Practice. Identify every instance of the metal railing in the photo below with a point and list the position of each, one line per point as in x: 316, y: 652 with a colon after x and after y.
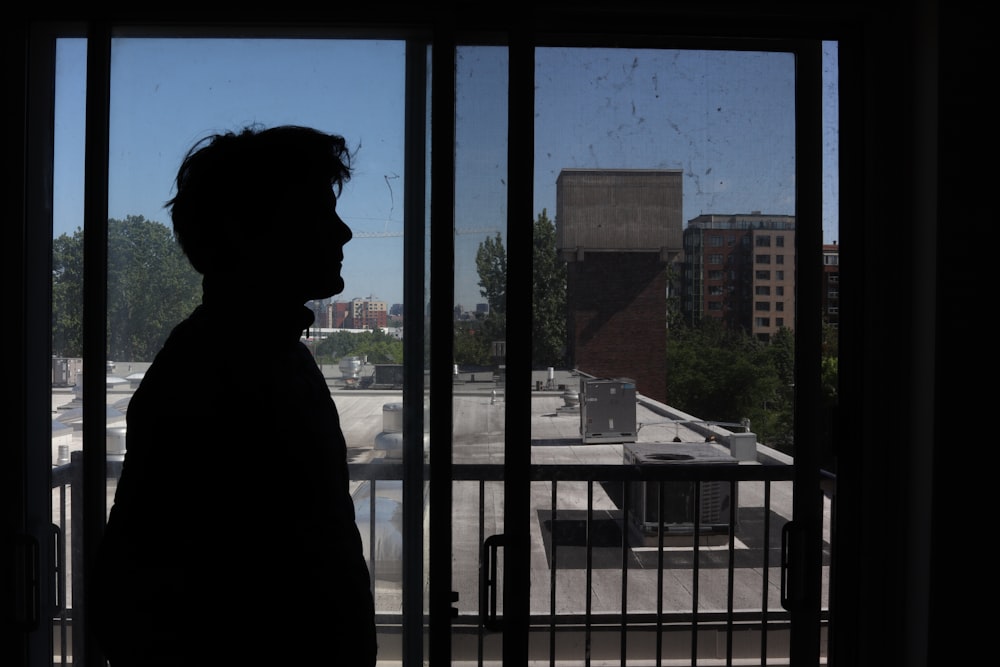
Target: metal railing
x: 610, y: 574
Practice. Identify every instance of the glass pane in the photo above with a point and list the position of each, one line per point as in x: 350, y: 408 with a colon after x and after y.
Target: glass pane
x: 664, y: 315
x: 480, y: 329
x: 166, y: 95
x: 67, y: 321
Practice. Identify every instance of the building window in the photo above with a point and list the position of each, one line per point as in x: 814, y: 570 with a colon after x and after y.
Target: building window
x: 716, y: 274
x: 779, y: 306
x: 762, y: 241
x: 779, y: 259
x: 762, y: 259
x: 715, y: 241
x: 760, y: 322
x: 762, y: 274
x: 779, y: 290
x: 779, y: 275
x: 762, y: 306
x: 779, y: 241
x: 715, y: 259
x: 762, y: 290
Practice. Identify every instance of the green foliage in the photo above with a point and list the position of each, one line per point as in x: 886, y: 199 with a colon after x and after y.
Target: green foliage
x: 548, y: 322
x: 67, y: 295
x: 151, y: 287
x: 378, y: 346
x: 724, y: 375
x: 491, y: 265
x: 474, y: 339
x: 472, y: 346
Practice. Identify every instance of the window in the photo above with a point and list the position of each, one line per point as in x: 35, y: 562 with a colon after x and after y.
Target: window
x: 762, y: 259
x: 779, y: 259
x: 564, y: 87
x: 779, y: 275
x: 762, y: 290
x: 779, y: 241
x: 762, y: 305
x: 762, y: 241
x: 779, y: 290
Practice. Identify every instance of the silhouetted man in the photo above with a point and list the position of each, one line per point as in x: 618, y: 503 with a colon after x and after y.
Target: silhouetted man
x: 232, y: 537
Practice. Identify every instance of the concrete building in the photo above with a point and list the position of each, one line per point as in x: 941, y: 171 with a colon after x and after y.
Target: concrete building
x: 618, y: 230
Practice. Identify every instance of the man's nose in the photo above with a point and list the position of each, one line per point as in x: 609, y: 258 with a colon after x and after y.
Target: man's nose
x: 343, y: 231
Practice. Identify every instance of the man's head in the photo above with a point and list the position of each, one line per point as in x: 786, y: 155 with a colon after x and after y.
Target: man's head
x: 259, y: 207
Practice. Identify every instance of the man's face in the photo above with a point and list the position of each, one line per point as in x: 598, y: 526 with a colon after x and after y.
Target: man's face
x: 308, y: 250
x: 323, y: 246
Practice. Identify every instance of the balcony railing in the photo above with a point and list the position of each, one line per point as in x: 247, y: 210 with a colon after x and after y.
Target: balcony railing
x: 610, y: 580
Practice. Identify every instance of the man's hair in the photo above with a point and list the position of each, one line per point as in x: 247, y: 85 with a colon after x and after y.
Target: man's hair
x: 239, y: 183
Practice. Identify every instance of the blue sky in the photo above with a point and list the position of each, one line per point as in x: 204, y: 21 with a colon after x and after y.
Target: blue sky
x: 724, y: 118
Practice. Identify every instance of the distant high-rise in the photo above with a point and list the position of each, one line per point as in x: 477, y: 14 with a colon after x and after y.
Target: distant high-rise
x: 830, y: 299
x: 368, y: 313
x: 618, y: 230
x: 740, y: 268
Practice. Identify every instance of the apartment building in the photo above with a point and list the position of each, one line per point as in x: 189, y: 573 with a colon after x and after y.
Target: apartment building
x: 831, y: 284
x: 740, y: 268
x: 358, y: 313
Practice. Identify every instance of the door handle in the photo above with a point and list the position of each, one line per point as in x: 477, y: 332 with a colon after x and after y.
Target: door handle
x: 488, y: 590
x: 791, y: 566
x: 60, y: 583
x: 28, y: 583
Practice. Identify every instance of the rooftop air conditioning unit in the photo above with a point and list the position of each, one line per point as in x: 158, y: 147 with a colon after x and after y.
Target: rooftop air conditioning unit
x: 679, y: 497
x: 607, y: 410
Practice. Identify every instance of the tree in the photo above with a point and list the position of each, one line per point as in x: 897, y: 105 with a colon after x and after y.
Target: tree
x: 67, y: 295
x: 378, y: 346
x: 491, y: 265
x: 727, y: 375
x: 151, y: 287
x: 472, y: 348
x: 548, y: 287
